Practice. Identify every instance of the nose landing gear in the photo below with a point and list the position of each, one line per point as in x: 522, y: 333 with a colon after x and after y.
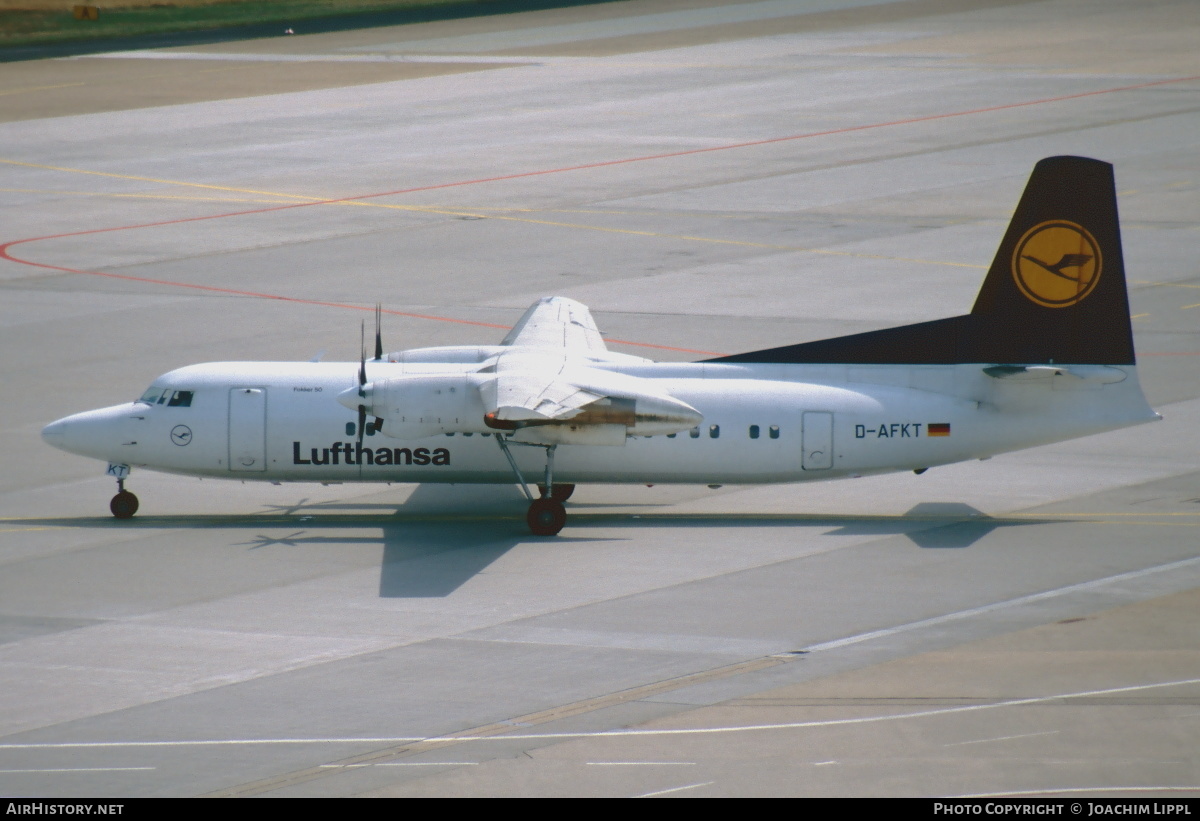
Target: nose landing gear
x: 124, y: 504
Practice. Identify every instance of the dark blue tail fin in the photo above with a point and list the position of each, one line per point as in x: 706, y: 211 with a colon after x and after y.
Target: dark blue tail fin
x: 1055, y: 292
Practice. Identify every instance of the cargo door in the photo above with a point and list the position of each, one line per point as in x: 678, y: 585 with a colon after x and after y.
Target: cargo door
x: 816, y: 440
x: 248, y: 429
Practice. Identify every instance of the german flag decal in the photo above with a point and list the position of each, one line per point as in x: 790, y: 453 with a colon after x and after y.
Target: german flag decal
x: 937, y: 429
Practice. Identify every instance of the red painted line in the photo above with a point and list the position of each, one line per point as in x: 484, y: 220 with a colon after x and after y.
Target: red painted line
x: 6, y: 254
x: 791, y: 137
x: 301, y: 301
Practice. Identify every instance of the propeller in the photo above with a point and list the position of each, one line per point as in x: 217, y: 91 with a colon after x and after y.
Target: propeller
x: 362, y: 382
x: 376, y: 425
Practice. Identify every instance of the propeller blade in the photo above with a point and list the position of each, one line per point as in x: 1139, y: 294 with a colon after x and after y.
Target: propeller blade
x: 378, y: 332
x: 362, y: 362
x: 362, y: 423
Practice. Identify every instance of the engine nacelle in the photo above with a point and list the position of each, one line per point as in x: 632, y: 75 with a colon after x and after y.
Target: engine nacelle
x: 413, y: 407
x: 447, y: 355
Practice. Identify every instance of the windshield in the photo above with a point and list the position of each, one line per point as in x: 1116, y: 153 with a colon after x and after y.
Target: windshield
x: 152, y: 395
x: 165, y: 396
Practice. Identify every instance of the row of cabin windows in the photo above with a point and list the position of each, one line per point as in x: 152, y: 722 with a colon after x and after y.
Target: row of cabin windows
x: 352, y: 429
x: 714, y: 432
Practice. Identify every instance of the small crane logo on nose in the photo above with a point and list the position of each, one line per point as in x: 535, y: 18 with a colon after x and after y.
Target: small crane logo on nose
x: 181, y: 435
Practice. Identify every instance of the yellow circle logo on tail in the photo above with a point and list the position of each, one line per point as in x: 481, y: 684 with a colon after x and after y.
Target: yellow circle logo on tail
x: 1057, y: 264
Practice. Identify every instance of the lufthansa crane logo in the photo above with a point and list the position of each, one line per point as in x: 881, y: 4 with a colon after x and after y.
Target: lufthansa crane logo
x: 181, y: 435
x: 1057, y: 264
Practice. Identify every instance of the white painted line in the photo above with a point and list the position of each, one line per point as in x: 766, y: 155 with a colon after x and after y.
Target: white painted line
x: 795, y: 725
x: 428, y: 764
x: 1000, y: 738
x: 987, y: 608
x: 641, y: 763
x: 400, y: 764
x: 674, y: 789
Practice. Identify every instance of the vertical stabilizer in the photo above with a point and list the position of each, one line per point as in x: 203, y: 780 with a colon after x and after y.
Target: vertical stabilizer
x: 1056, y: 289
x: 1055, y: 292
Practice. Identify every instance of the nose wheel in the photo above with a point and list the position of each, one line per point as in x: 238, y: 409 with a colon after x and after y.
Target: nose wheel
x: 124, y: 504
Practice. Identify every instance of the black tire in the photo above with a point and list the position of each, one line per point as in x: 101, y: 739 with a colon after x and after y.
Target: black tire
x: 546, y: 517
x: 123, y: 505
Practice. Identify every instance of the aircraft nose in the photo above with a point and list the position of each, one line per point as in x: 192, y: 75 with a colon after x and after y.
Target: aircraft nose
x: 106, y: 433
x: 55, y: 433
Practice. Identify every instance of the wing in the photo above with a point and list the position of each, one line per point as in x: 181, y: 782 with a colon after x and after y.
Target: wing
x: 534, y: 385
x: 547, y: 377
x: 557, y: 323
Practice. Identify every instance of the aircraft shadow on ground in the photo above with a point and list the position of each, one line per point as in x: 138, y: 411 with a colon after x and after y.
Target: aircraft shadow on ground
x: 434, y: 542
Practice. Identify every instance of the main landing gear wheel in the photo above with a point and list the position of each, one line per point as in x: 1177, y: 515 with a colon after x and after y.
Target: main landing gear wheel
x: 546, y: 517
x: 559, y: 493
x: 123, y: 505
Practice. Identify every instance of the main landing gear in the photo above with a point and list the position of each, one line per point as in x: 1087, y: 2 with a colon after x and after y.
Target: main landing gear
x: 124, y: 504
x: 546, y: 515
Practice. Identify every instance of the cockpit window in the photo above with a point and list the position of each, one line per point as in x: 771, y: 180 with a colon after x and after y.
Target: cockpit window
x: 170, y: 398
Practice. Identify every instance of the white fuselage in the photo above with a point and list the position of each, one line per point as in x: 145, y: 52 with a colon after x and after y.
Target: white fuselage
x: 281, y: 422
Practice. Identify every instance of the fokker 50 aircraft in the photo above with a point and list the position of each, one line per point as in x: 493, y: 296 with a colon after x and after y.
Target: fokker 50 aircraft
x: 1046, y: 354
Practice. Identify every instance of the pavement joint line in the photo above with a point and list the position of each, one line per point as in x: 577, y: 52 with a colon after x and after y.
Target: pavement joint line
x: 987, y: 608
x: 80, y: 770
x: 501, y: 729
x: 622, y: 733
x: 527, y: 174
x: 443, y: 211
x: 31, y: 89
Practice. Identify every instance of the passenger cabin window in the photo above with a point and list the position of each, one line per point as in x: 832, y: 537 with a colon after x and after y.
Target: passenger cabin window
x: 714, y: 431
x: 754, y: 431
x: 773, y: 431
x: 694, y: 432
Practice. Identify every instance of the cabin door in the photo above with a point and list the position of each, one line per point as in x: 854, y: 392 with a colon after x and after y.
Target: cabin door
x: 816, y: 435
x: 248, y: 429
